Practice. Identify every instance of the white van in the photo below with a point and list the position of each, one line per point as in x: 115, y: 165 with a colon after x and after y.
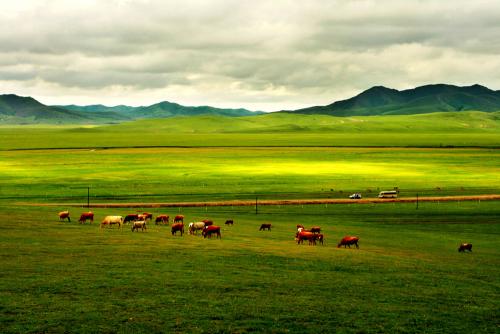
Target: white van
x: 388, y: 194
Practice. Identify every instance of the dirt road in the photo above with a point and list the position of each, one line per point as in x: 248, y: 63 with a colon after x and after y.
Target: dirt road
x: 277, y: 202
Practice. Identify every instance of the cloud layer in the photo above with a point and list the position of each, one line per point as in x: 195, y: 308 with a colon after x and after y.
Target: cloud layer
x: 265, y: 55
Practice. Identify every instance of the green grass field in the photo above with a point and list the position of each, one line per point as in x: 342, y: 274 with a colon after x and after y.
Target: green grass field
x: 195, y: 174
x: 461, y: 129
x: 406, y: 277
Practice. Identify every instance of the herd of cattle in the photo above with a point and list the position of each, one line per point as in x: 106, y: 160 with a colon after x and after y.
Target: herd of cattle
x: 207, y: 228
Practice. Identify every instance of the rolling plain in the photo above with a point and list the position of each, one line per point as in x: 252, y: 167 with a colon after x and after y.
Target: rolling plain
x: 406, y: 277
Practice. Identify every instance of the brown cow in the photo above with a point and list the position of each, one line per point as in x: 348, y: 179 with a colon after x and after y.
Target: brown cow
x: 315, y: 229
x: 309, y: 236
x: 319, y: 237
x: 131, y: 218
x: 464, y: 247
x: 229, y: 222
x: 265, y: 227
x: 86, y: 215
x: 179, y: 219
x: 209, y: 230
x: 208, y: 222
x: 178, y: 227
x: 163, y: 219
x: 64, y: 215
x: 147, y: 215
x: 348, y: 241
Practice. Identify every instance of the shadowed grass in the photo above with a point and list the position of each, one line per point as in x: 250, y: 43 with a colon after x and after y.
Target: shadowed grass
x: 406, y: 277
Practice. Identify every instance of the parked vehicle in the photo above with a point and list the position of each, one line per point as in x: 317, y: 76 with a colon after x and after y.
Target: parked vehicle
x: 355, y: 196
x: 388, y: 194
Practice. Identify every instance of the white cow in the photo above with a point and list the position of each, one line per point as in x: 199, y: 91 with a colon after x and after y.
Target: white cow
x: 139, y: 225
x: 112, y: 220
x: 194, y: 227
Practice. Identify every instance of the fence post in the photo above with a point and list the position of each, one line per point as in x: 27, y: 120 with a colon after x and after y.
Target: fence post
x: 256, y: 205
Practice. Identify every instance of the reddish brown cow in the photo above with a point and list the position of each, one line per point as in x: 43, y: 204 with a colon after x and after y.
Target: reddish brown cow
x: 64, y: 215
x: 265, y: 227
x: 464, y: 247
x: 163, y: 219
x: 178, y: 227
x: 229, y: 222
x: 309, y: 236
x: 348, y: 241
x: 315, y: 229
x: 208, y: 222
x: 179, y: 219
x: 211, y: 229
x: 131, y: 218
x: 319, y: 237
x: 147, y: 215
x: 86, y: 215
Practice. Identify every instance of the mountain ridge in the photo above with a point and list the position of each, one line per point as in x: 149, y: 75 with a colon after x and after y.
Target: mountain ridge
x: 15, y: 109
x: 380, y: 100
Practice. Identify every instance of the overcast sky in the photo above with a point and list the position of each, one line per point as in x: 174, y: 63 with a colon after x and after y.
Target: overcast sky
x: 260, y: 55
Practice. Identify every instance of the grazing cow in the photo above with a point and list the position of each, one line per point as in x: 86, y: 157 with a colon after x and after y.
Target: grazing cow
x: 194, y: 227
x: 131, y: 218
x: 141, y: 224
x: 208, y: 222
x: 147, y: 215
x: 348, y: 241
x: 112, y: 220
x: 265, y: 227
x: 209, y: 230
x: 86, y: 215
x: 309, y: 236
x: 319, y: 237
x: 163, y: 219
x: 179, y: 219
x: 464, y: 247
x: 64, y: 215
x: 315, y: 229
x: 178, y: 227
x: 229, y: 222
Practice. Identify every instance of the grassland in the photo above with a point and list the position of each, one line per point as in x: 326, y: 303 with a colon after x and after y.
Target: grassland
x: 464, y: 129
x: 406, y: 277
x: 197, y: 174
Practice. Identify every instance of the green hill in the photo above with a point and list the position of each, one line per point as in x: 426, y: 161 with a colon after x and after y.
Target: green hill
x: 430, y: 98
x: 441, y: 122
x: 161, y: 110
x: 16, y: 109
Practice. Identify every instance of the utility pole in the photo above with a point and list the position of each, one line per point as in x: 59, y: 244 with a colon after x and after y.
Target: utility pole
x: 88, y: 197
x: 417, y: 201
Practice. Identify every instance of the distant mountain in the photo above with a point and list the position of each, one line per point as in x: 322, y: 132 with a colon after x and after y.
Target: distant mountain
x: 380, y: 100
x: 162, y: 110
x: 16, y: 109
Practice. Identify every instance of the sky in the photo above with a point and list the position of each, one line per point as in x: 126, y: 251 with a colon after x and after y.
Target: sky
x: 258, y: 54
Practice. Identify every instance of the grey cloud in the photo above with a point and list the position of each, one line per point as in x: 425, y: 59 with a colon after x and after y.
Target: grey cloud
x: 257, y: 50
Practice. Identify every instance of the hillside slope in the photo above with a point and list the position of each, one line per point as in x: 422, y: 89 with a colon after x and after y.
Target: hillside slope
x: 380, y: 100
